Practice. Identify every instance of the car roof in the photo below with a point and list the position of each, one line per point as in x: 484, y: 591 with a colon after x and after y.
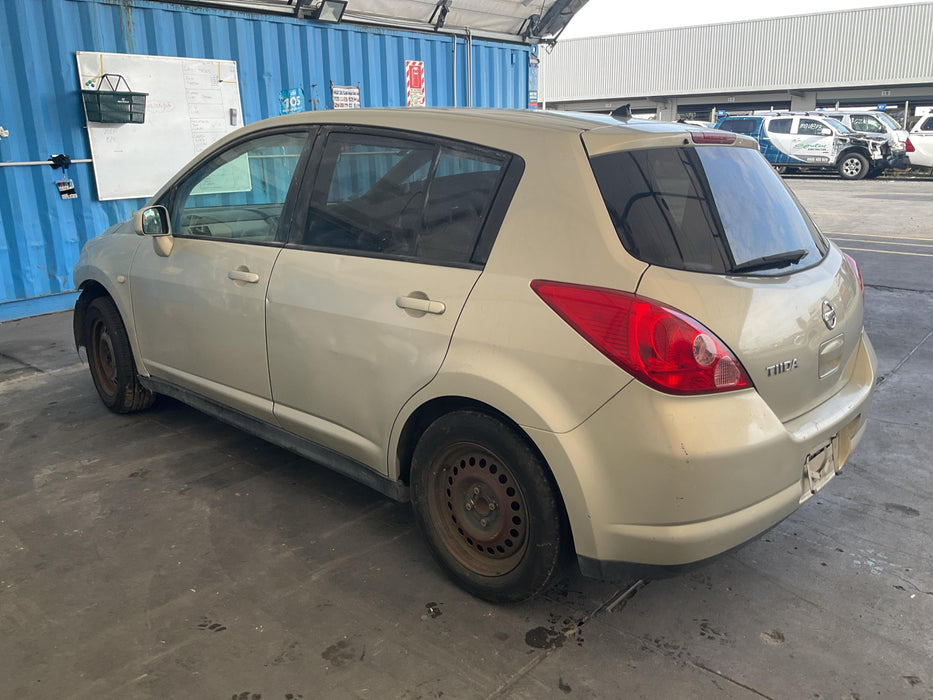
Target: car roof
x: 475, y: 124
x: 509, y: 130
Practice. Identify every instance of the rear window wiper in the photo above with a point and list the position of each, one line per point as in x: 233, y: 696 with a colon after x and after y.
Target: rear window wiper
x: 768, y: 262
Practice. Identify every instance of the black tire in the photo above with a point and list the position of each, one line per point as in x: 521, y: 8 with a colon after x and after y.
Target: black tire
x: 487, y: 507
x: 853, y: 166
x: 111, y: 359
x: 873, y: 174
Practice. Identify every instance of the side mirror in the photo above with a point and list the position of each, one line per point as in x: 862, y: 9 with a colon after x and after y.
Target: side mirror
x: 826, y: 131
x: 154, y: 221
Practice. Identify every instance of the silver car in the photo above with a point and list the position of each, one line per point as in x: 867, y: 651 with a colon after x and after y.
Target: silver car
x: 556, y: 335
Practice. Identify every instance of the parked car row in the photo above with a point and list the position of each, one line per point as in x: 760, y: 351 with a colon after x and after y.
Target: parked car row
x: 876, y: 123
x: 810, y: 141
x: 855, y: 143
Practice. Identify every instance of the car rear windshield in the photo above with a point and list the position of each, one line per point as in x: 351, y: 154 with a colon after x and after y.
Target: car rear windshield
x: 740, y: 126
x: 712, y: 209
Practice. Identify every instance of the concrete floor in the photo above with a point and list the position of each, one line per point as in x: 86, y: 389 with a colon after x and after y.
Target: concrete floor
x: 166, y: 555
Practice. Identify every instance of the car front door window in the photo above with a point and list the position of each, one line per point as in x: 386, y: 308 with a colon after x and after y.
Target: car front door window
x: 239, y: 194
x: 810, y: 127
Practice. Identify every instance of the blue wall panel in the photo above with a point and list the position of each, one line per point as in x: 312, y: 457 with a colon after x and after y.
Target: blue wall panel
x: 41, y: 234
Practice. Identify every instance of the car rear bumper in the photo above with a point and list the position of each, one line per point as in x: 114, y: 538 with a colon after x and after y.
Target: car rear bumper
x: 899, y: 161
x: 664, y: 480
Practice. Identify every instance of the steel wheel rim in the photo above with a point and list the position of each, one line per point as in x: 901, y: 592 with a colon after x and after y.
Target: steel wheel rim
x: 105, y: 366
x: 480, y: 509
x: 852, y: 166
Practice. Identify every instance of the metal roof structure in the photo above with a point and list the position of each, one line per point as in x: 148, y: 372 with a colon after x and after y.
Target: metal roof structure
x: 885, y: 46
x: 530, y: 21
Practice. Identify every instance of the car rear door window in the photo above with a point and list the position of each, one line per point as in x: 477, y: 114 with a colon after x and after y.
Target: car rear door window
x: 397, y: 197
x: 714, y: 209
x: 239, y: 194
x: 867, y: 123
x: 780, y: 126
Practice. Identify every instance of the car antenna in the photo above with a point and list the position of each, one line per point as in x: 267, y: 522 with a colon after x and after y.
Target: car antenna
x: 623, y: 113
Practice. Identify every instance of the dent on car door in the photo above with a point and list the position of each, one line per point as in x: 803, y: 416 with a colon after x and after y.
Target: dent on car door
x: 200, y: 310
x: 365, y: 298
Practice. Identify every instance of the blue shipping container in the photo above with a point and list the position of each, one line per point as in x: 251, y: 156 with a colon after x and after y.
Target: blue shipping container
x: 41, y: 234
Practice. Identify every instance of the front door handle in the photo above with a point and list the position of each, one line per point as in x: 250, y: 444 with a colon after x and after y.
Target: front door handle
x: 424, y: 305
x: 241, y: 275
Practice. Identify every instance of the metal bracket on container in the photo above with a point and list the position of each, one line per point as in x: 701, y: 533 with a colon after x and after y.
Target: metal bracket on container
x: 10, y: 164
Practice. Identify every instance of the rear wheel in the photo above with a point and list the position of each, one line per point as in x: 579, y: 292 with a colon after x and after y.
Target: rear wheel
x: 111, y: 359
x: 487, y: 508
x: 853, y: 166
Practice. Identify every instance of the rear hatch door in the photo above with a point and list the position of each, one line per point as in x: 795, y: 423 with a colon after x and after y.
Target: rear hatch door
x: 729, y: 245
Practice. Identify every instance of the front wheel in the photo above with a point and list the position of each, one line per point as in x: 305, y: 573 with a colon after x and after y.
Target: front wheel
x: 853, y: 166
x: 486, y: 505
x: 111, y: 359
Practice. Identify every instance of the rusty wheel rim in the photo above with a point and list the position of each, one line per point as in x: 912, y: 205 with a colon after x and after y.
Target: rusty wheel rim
x: 480, y: 508
x: 103, y: 361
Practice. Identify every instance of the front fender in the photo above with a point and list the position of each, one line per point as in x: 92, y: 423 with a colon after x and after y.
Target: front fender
x: 103, y: 269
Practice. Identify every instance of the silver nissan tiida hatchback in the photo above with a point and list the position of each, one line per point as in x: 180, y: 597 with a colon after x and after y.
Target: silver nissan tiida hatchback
x: 555, y: 334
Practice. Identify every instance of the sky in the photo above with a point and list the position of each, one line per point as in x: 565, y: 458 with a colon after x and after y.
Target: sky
x: 619, y: 16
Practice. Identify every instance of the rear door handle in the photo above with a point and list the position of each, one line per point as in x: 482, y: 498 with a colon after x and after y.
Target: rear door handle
x: 243, y: 276
x: 423, y: 305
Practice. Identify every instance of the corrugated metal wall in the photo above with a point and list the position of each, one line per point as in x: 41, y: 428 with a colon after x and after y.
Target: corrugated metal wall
x: 887, y: 45
x: 41, y: 234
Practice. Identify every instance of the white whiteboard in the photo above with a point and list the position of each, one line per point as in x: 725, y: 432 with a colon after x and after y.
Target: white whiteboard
x: 192, y: 102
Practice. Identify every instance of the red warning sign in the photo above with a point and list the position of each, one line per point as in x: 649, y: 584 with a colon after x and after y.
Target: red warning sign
x: 414, y: 83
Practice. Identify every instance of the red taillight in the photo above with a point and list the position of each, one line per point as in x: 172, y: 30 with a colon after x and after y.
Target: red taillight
x: 658, y: 345
x: 910, y: 146
x: 858, y: 273
x: 707, y: 137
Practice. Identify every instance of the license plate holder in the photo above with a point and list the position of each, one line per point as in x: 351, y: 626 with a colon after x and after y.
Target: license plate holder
x: 821, y: 465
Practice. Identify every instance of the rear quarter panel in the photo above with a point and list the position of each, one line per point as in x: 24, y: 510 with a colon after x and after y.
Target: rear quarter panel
x: 509, y: 349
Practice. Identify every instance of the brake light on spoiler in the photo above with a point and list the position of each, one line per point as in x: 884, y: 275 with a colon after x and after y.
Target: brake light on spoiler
x: 658, y: 345
x: 713, y: 137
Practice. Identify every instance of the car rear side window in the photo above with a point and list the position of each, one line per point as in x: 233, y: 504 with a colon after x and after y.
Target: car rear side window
x: 780, y: 126
x: 867, y: 123
x: 395, y: 197
x: 712, y: 209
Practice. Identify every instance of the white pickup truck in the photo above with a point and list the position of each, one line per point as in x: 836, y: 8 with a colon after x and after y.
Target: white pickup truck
x: 920, y: 143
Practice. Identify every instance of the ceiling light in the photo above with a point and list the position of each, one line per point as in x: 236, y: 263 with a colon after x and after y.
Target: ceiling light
x: 330, y: 11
